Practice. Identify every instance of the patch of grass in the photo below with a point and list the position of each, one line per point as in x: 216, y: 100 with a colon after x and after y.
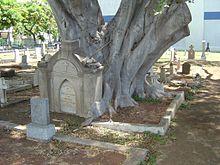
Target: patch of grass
x: 146, y: 140
x: 71, y: 124
x: 58, y: 144
x: 189, y: 96
x: 147, y: 100
x: 171, y: 134
x: 185, y: 105
x: 155, y: 138
x: 151, y: 160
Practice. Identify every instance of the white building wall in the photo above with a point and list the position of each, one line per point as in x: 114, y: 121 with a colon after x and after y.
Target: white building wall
x: 212, y: 26
x: 212, y: 34
x: 213, y: 5
x: 196, y: 27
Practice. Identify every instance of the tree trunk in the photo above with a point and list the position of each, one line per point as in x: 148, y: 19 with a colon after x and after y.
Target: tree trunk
x: 34, y: 37
x: 131, y: 43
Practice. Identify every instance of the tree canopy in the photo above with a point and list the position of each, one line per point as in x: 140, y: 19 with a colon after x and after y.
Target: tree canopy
x: 9, y: 13
x: 28, y: 18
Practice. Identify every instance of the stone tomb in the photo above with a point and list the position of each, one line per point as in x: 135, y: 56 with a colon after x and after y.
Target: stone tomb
x: 71, y: 82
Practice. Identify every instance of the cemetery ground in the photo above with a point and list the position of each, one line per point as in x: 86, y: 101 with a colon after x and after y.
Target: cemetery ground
x: 193, y: 137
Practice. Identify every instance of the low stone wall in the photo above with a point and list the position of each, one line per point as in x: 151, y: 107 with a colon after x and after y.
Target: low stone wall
x: 160, y: 128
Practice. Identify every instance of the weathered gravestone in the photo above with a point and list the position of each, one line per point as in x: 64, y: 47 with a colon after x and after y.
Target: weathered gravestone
x: 57, y: 46
x: 17, y: 57
x: 152, y: 79
x: 186, y: 68
x: 27, y: 54
x: 207, y: 47
x: 171, y: 69
x: 43, y: 49
x: 72, y: 83
x: 191, y: 53
x: 36, y: 78
x: 24, y: 60
x: 163, y: 77
x: 178, y: 65
x: 3, y: 87
x: 40, y: 127
x: 7, y: 72
x: 203, y: 56
x: 38, y: 53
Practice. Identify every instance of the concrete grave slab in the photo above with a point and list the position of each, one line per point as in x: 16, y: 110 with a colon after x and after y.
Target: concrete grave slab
x: 134, y: 155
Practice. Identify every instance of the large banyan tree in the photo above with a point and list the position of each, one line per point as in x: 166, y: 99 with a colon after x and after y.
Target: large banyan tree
x: 128, y: 46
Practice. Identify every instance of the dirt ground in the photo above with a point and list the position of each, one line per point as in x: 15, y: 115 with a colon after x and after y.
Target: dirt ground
x: 150, y: 113
x: 17, y: 150
x: 197, y: 129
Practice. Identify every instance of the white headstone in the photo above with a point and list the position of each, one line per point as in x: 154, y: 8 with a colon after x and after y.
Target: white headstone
x: 40, y: 127
x: 172, y: 50
x: 36, y: 78
x: 17, y: 57
x: 43, y: 49
x: 57, y: 47
x: 153, y: 78
x: 178, y: 64
x: 171, y: 69
x: 203, y: 56
x: 24, y: 60
x: 27, y: 54
x: 3, y: 87
x: 38, y: 53
x: 163, y: 76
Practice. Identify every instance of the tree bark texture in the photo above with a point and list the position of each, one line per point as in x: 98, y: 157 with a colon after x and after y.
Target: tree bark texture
x: 127, y: 46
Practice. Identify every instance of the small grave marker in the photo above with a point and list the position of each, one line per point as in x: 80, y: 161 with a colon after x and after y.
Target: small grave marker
x: 38, y: 53
x: 24, y: 60
x: 207, y: 48
x: 191, y: 53
x: 203, y: 56
x: 3, y: 87
x: 27, y: 54
x: 171, y: 69
x: 36, y: 78
x: 178, y: 64
x: 186, y: 68
x: 57, y: 46
x: 40, y: 127
x: 163, y: 77
x: 43, y: 49
x: 17, y: 58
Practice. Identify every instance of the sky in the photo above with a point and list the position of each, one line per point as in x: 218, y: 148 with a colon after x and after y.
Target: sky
x: 109, y: 7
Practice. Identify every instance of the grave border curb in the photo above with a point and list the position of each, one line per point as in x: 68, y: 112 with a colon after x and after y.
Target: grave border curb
x: 133, y: 155
x: 160, y: 128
